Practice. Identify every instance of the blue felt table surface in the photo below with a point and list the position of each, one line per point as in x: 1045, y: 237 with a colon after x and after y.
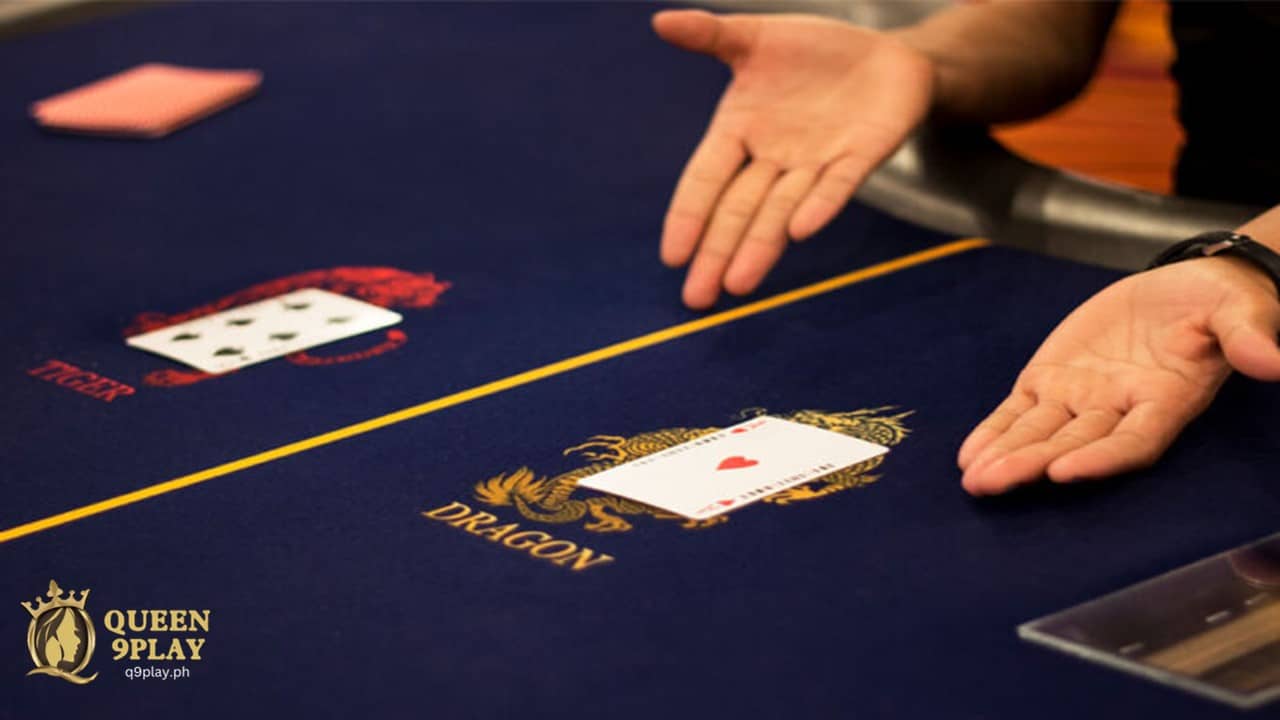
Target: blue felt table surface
x: 493, y: 145
x: 524, y: 153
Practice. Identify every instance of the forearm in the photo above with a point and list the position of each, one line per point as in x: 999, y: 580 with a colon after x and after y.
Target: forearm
x: 999, y: 62
x: 1265, y: 228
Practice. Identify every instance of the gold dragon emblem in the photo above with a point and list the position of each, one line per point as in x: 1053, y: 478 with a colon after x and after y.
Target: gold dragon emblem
x: 551, y: 500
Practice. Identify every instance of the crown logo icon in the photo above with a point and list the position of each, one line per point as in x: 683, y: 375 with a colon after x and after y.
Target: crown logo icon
x: 60, y: 637
x: 56, y: 600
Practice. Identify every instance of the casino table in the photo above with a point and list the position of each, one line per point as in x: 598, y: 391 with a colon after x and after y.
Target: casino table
x: 329, y: 532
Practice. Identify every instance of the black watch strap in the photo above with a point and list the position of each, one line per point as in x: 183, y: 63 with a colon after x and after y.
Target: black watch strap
x: 1223, y: 242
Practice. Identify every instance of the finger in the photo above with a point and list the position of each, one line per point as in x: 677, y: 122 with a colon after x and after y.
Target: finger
x: 766, y: 238
x: 1031, y: 462
x: 727, y: 38
x: 1136, y: 442
x: 1038, y: 423
x: 733, y: 214
x: 1247, y: 333
x: 830, y: 194
x: 709, y: 170
x: 994, y: 426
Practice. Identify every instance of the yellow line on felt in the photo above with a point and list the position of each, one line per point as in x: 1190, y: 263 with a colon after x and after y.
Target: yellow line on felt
x: 497, y: 386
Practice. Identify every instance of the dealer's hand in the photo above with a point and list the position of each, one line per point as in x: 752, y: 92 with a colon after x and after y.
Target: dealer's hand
x: 813, y: 107
x: 1115, y: 383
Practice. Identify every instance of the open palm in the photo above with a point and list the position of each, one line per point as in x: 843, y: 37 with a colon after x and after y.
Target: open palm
x: 1114, y: 384
x: 813, y: 107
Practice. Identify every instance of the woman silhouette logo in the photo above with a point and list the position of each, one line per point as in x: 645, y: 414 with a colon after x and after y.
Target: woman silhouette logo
x: 60, y: 637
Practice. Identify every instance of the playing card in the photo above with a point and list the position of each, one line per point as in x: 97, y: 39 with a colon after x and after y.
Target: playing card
x: 264, y: 330
x: 149, y: 101
x: 733, y: 467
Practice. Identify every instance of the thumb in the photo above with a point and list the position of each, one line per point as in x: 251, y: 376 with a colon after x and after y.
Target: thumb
x: 1247, y: 332
x: 727, y: 38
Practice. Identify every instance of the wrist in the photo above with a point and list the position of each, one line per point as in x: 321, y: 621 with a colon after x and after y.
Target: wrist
x: 1264, y: 229
x: 1266, y: 280
x: 945, y: 78
x: 1252, y: 274
x: 907, y: 40
x: 1254, y: 262
x: 1271, y: 241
